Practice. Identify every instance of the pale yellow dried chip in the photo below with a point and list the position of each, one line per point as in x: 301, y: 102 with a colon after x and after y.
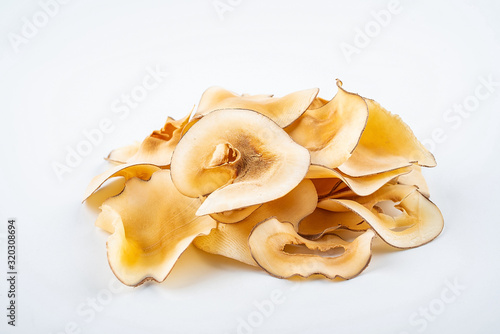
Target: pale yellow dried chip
x: 234, y: 216
x: 362, y: 186
x: 127, y: 171
x: 123, y: 154
x: 296, y: 185
x: 387, y: 143
x: 331, y: 132
x: 415, y: 178
x: 283, y: 110
x: 152, y: 224
x: 157, y: 148
x: 268, y: 245
x: 231, y: 240
x: 420, y: 220
x: 238, y: 158
x: 323, y: 221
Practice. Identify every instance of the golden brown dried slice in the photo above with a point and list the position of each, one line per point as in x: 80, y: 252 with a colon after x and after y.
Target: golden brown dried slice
x: 152, y: 224
x: 122, y: 154
x: 269, y: 241
x: 324, y: 221
x: 231, y: 240
x: 419, y: 222
x: 387, y: 143
x: 283, y: 110
x: 318, y: 102
x: 234, y: 216
x: 415, y: 178
x: 157, y: 148
x: 362, y: 186
x: 128, y: 171
x: 331, y: 132
x: 325, y: 187
x: 238, y: 158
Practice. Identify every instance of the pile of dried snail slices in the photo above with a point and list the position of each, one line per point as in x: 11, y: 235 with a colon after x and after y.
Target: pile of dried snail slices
x: 295, y: 185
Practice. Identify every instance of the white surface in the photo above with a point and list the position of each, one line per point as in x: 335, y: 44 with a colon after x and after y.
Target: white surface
x: 65, y: 79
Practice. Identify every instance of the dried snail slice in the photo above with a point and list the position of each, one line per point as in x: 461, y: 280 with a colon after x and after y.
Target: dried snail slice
x: 387, y: 143
x: 283, y: 110
x: 155, y: 149
x: 331, y: 132
x: 237, y: 158
x: 420, y: 220
x: 269, y: 239
x: 151, y: 225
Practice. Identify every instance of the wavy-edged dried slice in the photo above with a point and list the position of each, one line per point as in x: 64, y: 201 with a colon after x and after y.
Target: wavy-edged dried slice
x: 231, y: 240
x: 318, y: 102
x: 283, y: 110
x: 234, y: 216
x: 362, y: 186
x: 269, y: 239
x: 415, y: 178
x: 157, y: 148
x: 152, y: 224
x: 122, y: 154
x: 238, y: 158
x: 419, y: 223
x: 323, y: 221
x: 387, y: 143
x: 128, y: 171
x: 331, y: 132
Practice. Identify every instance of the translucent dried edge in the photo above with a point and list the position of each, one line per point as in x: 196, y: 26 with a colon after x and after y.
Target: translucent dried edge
x: 127, y: 171
x: 415, y: 178
x: 361, y: 186
x: 283, y: 110
x: 155, y: 149
x: 234, y: 216
x: 387, y: 143
x: 122, y: 154
x: 332, y: 131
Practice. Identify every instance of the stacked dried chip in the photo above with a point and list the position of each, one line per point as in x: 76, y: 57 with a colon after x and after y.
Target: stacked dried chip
x: 296, y: 185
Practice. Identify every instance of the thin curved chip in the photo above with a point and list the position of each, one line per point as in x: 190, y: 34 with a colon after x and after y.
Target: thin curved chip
x: 362, y: 186
x: 157, y: 148
x: 419, y: 223
x: 269, y: 239
x: 152, y: 225
x: 415, y: 178
x: 231, y: 240
x: 331, y: 132
x: 122, y: 154
x: 323, y: 221
x: 283, y: 110
x: 128, y: 171
x: 387, y: 143
x: 238, y: 158
x: 234, y: 216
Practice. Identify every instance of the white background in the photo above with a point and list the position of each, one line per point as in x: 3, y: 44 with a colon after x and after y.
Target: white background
x: 65, y: 77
